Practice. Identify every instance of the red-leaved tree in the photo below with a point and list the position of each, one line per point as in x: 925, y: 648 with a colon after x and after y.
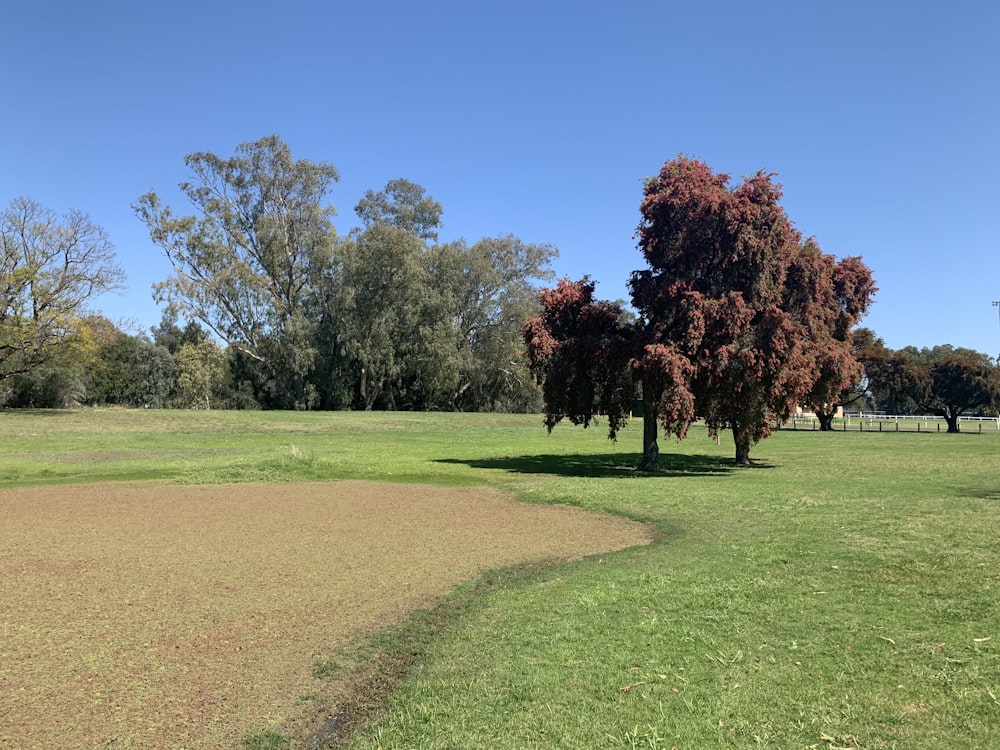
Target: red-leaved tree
x: 581, y: 351
x: 739, y: 320
x: 830, y: 299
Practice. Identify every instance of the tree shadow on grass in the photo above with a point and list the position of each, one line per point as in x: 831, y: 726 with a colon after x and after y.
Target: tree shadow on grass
x: 606, y: 465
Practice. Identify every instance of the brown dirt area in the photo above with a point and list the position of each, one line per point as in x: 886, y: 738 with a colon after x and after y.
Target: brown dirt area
x: 156, y: 616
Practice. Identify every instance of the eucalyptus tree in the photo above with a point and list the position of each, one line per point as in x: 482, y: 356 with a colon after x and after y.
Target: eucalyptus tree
x: 203, y: 379
x: 489, y: 289
x: 402, y: 204
x: 246, y: 262
x: 377, y: 305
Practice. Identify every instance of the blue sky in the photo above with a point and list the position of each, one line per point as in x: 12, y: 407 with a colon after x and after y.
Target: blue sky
x: 540, y: 119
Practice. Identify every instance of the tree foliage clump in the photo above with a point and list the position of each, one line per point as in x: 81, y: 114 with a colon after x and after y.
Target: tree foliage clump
x: 51, y: 267
x: 739, y: 318
x: 245, y: 263
x: 384, y: 317
x: 945, y: 381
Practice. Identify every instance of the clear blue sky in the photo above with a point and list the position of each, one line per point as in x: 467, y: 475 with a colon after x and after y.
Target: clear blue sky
x: 540, y: 119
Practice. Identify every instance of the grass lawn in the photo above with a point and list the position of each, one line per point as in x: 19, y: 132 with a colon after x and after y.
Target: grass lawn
x: 840, y: 593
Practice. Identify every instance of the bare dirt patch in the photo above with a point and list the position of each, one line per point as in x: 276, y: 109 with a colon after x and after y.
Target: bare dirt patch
x: 155, y: 616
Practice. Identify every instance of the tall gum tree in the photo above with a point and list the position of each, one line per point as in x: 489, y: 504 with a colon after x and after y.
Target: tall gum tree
x: 489, y: 292
x: 246, y: 263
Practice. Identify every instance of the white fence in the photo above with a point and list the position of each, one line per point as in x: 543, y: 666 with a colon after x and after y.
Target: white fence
x: 881, y: 422
x: 878, y: 416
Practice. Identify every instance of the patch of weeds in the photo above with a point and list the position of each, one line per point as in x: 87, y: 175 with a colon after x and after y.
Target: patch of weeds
x: 640, y: 738
x: 298, y: 456
x: 326, y: 668
x: 268, y: 740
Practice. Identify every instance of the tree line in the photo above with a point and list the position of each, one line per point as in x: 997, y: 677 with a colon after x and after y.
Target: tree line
x: 736, y: 319
x: 284, y: 313
x: 944, y: 381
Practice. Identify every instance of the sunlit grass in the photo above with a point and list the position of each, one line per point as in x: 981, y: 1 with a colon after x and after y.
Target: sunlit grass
x: 842, y: 592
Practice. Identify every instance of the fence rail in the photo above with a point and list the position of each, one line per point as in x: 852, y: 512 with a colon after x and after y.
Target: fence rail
x: 875, y: 422
x: 913, y: 417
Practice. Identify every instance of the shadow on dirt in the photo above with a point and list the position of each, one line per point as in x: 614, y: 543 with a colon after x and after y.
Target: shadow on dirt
x: 607, y: 465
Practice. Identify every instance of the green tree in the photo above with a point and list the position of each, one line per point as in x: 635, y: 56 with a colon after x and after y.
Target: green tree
x: 133, y: 372
x: 203, y: 376
x: 418, y: 326
x: 50, y: 268
x: 945, y: 381
x: 66, y: 378
x: 404, y: 205
x: 170, y: 335
x: 378, y: 305
x: 488, y: 290
x: 245, y: 265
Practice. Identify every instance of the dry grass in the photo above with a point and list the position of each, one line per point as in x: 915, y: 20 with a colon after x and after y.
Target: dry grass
x: 148, y: 615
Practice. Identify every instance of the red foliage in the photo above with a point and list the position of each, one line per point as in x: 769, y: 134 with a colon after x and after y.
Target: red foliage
x: 579, y: 349
x: 739, y: 320
x: 775, y: 312
x: 665, y: 373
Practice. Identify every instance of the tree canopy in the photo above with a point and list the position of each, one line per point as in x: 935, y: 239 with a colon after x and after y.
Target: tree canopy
x: 382, y: 317
x: 402, y: 204
x: 945, y: 381
x: 245, y: 263
x: 51, y: 266
x: 739, y: 319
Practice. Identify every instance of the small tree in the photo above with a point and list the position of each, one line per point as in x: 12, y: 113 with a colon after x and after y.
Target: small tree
x: 581, y: 352
x: 831, y: 299
x: 202, y: 375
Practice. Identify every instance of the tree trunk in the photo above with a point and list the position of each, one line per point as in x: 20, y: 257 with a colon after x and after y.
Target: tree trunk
x: 952, y: 419
x: 369, y: 390
x: 742, y: 439
x: 650, y: 448
x: 825, y: 420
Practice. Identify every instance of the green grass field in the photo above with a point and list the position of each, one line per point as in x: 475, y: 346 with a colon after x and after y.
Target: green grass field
x: 842, y: 592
